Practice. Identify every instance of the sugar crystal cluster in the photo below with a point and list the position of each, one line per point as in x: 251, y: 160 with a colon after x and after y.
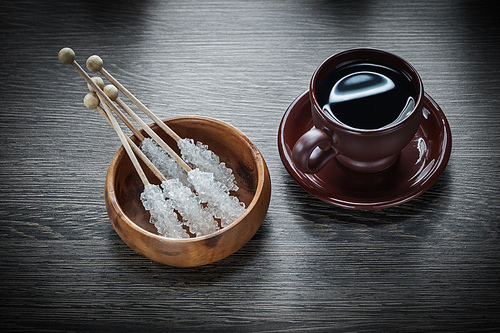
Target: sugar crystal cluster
x: 200, y: 197
x: 166, y: 164
x: 204, y: 159
x: 162, y: 212
x: 222, y: 206
x: 199, y: 219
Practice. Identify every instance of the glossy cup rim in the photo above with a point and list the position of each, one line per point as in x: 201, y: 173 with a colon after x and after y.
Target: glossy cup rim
x: 362, y: 57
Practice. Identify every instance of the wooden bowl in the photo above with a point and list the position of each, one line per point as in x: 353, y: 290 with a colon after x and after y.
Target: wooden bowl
x: 131, y: 221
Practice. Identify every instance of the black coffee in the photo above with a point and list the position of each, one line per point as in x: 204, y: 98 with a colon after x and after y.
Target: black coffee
x: 366, y: 96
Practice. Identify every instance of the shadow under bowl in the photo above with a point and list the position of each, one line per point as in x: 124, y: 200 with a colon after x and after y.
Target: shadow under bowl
x: 131, y: 221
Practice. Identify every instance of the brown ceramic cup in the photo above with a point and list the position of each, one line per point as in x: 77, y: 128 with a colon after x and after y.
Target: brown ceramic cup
x: 363, y: 150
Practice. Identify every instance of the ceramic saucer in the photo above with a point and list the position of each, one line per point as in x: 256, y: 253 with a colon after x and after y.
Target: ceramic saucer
x: 421, y: 162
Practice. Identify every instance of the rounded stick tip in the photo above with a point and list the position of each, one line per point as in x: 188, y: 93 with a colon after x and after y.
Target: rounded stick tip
x: 91, y: 100
x: 66, y: 55
x: 111, y: 91
x: 98, y: 81
x: 94, y: 63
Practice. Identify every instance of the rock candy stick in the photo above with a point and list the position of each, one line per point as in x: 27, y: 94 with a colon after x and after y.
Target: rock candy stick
x: 91, y: 101
x: 67, y: 56
x: 95, y: 64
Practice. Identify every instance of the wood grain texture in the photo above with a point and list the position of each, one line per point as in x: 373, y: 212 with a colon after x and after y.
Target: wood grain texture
x: 432, y: 264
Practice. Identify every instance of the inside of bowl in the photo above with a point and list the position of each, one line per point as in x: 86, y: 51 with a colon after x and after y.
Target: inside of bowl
x: 222, y: 139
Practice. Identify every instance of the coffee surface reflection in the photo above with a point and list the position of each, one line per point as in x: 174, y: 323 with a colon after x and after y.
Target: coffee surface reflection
x: 366, y: 96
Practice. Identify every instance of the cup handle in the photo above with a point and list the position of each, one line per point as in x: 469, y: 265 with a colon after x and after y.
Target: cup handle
x: 313, y: 150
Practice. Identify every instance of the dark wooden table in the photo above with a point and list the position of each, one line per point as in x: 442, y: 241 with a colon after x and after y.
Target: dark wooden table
x: 432, y: 264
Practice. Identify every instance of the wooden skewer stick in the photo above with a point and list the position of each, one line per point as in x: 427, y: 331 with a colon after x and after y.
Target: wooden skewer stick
x: 112, y: 92
x: 67, y: 56
x: 94, y: 64
x: 97, y: 80
x: 92, y: 101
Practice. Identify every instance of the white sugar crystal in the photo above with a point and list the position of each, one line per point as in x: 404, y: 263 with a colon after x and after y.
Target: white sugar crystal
x: 223, y: 206
x: 198, y: 219
x: 211, y: 181
x: 162, y: 213
x: 199, y: 156
x: 163, y: 161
